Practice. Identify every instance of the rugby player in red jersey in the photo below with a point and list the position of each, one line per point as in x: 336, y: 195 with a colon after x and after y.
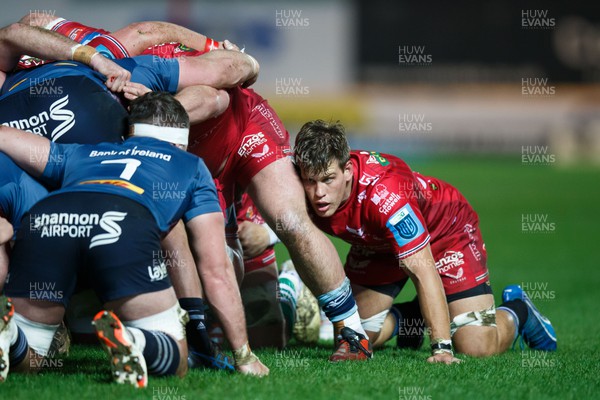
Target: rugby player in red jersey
x: 403, y: 225
x: 247, y: 147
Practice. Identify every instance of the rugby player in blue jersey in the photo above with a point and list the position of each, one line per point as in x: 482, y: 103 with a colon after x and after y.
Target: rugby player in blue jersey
x: 104, y: 222
x: 61, y: 100
x: 18, y: 192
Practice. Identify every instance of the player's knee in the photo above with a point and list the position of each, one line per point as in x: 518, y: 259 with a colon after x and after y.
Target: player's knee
x: 171, y: 322
x: 373, y: 325
x: 475, y: 349
x: 475, y: 341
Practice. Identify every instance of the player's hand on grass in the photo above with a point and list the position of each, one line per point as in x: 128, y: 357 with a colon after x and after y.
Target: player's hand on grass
x: 254, y: 238
x: 133, y: 90
x: 446, y: 358
x: 116, y: 76
x: 256, y: 368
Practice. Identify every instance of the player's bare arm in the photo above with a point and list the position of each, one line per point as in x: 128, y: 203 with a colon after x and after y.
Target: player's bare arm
x: 201, y: 102
x: 28, y: 151
x: 218, y: 278
x: 421, y: 269
x: 138, y: 36
x: 18, y: 39
x: 178, y: 254
x: 219, y: 69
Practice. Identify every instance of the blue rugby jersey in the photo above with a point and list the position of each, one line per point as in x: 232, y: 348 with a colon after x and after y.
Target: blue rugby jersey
x: 67, y: 102
x: 170, y: 182
x: 18, y: 191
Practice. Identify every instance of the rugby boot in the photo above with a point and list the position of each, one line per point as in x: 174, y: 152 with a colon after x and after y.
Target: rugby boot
x: 126, y: 360
x: 7, y: 310
x: 351, y: 346
x: 537, y: 332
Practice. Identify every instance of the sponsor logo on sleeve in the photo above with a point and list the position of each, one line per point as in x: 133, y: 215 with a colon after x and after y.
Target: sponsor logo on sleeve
x: 405, y: 226
x: 264, y: 152
x: 250, y: 142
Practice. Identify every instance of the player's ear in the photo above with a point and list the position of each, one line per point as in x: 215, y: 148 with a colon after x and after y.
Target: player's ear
x: 348, y: 170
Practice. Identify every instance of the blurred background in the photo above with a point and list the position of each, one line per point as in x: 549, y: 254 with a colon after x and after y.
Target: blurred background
x: 519, y: 79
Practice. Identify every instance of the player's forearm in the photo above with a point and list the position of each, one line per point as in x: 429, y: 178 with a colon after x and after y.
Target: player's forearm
x: 203, y: 102
x: 28, y: 151
x: 219, y: 69
x: 180, y: 263
x: 433, y: 306
x: 207, y: 239
x: 224, y: 296
x: 18, y: 39
x: 432, y: 300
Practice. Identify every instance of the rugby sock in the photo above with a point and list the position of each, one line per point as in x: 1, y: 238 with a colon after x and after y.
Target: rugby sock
x: 339, y: 306
x: 160, y: 351
x: 409, y: 324
x: 289, y: 289
x: 518, y: 309
x: 195, y: 329
x: 18, y: 346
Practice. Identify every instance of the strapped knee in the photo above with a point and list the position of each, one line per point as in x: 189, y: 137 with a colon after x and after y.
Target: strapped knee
x: 39, y: 336
x: 374, y: 323
x: 171, y: 322
x: 486, y: 317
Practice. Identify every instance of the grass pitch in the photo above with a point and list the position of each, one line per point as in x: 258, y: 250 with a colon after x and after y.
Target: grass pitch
x: 553, y: 256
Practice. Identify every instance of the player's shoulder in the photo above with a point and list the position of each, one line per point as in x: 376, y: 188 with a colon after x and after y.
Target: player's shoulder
x: 380, y: 179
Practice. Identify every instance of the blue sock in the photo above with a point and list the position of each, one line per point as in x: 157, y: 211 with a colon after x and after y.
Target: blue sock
x: 518, y: 309
x: 338, y: 304
x: 18, y: 350
x: 161, y: 353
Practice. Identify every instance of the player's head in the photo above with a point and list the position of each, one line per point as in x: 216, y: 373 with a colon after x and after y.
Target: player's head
x: 322, y: 156
x: 161, y: 116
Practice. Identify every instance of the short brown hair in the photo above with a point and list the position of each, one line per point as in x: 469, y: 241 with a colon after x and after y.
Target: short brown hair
x: 318, y: 143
